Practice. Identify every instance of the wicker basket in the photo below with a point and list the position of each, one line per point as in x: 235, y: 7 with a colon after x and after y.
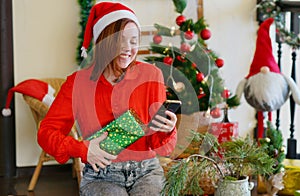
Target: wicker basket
x: 185, y: 123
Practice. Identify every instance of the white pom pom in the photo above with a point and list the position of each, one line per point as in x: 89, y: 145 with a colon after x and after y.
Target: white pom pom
x: 83, y: 52
x: 6, y: 112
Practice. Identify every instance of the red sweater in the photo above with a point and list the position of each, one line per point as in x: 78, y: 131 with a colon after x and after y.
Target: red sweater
x: 93, y: 104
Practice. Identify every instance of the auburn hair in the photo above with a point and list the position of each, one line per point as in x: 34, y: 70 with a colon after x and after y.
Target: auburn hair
x: 107, y: 48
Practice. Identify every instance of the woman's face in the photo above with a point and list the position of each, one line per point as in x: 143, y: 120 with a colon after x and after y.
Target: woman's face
x: 129, y: 45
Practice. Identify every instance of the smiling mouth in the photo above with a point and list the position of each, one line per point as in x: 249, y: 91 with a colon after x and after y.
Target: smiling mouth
x: 125, y: 56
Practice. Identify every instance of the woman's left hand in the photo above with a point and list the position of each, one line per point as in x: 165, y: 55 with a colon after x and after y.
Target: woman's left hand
x: 167, y: 125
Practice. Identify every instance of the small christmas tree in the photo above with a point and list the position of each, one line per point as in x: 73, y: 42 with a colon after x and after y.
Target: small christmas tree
x: 191, y: 70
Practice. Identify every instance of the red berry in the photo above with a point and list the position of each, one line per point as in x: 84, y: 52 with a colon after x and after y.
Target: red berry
x: 205, y: 34
x: 181, y: 58
x: 185, y: 47
x: 226, y: 94
x: 215, y: 113
x: 157, y: 39
x: 219, y: 62
x: 168, y: 60
x: 189, y: 35
x: 180, y: 19
x: 194, y: 65
x: 200, y: 76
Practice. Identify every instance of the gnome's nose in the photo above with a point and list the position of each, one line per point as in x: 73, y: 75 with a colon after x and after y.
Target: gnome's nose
x: 264, y: 69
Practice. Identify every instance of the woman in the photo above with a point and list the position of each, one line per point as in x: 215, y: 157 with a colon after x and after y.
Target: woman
x: 95, y: 96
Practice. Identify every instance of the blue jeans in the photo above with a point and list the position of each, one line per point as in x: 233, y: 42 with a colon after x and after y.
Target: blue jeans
x: 123, y: 179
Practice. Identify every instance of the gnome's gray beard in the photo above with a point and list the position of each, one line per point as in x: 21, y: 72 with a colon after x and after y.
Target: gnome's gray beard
x: 266, y: 92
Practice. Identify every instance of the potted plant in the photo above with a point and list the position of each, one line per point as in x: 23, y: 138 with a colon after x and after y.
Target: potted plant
x: 227, y: 164
x: 273, y: 143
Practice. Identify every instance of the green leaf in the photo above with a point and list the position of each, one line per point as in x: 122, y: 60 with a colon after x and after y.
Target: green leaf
x: 180, y: 5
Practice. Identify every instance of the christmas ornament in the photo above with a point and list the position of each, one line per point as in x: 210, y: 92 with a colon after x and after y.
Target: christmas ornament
x: 200, y: 76
x: 122, y: 132
x: 205, y: 34
x: 181, y: 58
x: 179, y: 87
x: 216, y: 112
x: 226, y: 94
x: 189, y: 35
x: 180, y: 20
x: 168, y: 60
x: 157, y: 39
x: 185, y: 47
x: 219, y: 62
x: 265, y: 88
x: 201, y: 93
x: 194, y: 65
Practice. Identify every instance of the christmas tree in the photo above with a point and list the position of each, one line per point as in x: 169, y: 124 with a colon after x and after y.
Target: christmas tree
x: 191, y: 70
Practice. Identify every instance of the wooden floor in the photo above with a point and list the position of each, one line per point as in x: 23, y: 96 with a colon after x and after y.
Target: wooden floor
x: 53, y: 181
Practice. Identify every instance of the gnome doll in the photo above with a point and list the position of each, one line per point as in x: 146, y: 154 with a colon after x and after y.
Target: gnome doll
x: 265, y: 87
x: 31, y: 87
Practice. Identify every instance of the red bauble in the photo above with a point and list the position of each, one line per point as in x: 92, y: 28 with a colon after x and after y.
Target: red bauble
x: 205, y: 34
x: 219, y: 62
x: 200, y: 76
x: 215, y: 113
x: 180, y: 20
x: 157, y: 39
x: 189, y: 35
x: 226, y: 94
x: 185, y: 47
x: 168, y: 60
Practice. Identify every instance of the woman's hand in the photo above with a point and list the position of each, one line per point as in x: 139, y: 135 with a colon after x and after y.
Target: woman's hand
x: 167, y: 125
x: 98, y: 157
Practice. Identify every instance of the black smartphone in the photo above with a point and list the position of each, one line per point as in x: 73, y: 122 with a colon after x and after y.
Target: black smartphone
x: 171, y: 105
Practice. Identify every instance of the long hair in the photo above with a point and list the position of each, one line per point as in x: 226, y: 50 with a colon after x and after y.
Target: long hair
x: 107, y: 48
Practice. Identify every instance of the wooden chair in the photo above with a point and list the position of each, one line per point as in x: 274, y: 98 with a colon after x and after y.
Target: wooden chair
x: 39, y: 110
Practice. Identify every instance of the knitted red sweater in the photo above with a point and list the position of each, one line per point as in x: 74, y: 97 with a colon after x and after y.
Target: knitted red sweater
x: 93, y: 104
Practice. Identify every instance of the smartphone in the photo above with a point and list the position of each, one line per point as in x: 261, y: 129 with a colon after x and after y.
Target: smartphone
x: 171, y: 105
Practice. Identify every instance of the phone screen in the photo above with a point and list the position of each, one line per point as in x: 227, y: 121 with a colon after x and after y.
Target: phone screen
x: 171, y: 105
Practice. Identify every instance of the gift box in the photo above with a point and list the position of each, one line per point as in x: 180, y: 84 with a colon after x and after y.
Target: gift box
x: 224, y: 131
x: 291, y: 179
x: 122, y: 132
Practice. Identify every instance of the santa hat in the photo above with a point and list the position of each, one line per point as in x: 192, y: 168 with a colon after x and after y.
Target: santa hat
x: 31, y: 87
x: 263, y: 55
x: 101, y: 15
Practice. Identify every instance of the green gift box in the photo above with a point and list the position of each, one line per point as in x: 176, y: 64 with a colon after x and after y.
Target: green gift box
x: 122, y: 132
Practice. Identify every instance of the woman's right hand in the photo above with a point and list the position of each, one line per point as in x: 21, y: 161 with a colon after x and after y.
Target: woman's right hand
x: 97, y: 157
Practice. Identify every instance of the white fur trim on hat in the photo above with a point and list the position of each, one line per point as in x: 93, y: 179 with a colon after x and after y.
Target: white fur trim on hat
x: 6, y: 111
x: 49, y: 97
x: 110, y: 18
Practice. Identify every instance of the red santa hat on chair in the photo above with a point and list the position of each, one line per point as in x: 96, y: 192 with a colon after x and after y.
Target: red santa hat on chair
x: 101, y: 15
x: 31, y: 87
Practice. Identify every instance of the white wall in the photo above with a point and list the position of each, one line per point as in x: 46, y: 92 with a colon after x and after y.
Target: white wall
x: 45, y: 41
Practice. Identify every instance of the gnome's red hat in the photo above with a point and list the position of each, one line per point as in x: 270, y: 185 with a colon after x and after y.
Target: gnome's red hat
x: 31, y: 87
x: 263, y: 55
x: 101, y: 15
